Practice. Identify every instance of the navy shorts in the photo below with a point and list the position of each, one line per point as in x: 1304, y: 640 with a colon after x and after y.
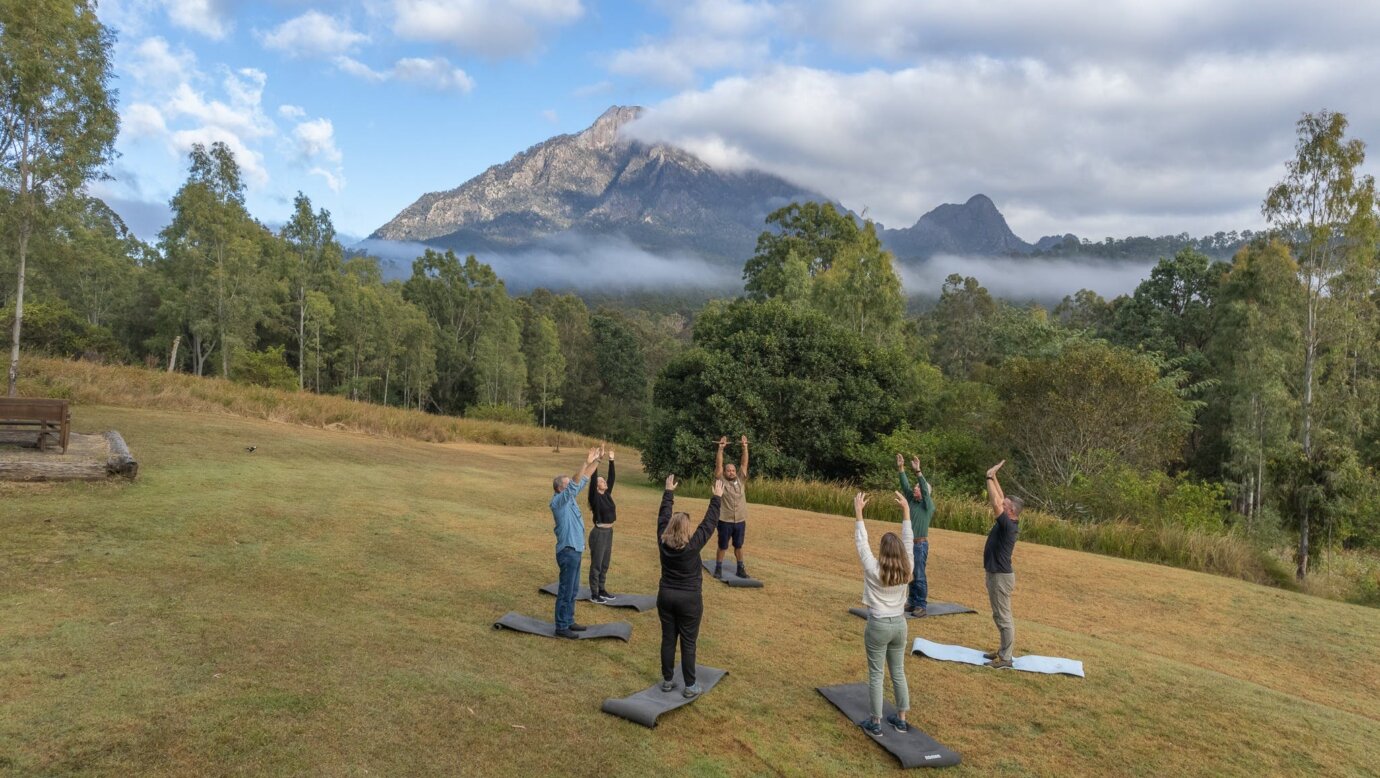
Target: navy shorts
x: 731, y: 530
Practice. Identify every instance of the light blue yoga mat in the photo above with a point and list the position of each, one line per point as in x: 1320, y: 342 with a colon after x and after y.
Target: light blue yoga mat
x: 971, y: 656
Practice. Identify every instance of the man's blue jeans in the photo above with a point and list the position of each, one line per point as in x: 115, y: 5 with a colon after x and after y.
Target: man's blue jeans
x: 568, y: 559
x: 919, y: 587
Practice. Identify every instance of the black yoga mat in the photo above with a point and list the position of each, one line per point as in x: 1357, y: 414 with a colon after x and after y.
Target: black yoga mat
x: 913, y: 748
x: 933, y: 609
x: 731, y: 574
x: 645, y: 706
x: 642, y: 602
x: 520, y: 623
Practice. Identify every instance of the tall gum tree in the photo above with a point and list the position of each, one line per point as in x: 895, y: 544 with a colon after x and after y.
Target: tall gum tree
x: 1326, y: 210
x: 57, y: 117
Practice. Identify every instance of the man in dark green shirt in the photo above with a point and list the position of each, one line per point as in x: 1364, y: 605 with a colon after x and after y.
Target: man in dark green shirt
x: 921, y: 511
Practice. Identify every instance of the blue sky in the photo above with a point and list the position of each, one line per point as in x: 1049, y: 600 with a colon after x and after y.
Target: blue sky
x: 1109, y: 118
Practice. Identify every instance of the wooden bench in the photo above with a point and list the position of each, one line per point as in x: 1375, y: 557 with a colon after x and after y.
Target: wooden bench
x: 50, y: 417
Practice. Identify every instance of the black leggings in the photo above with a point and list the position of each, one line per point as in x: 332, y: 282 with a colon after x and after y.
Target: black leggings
x: 680, y: 613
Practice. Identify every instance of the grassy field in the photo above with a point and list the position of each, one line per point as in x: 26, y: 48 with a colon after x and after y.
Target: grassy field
x: 323, y: 607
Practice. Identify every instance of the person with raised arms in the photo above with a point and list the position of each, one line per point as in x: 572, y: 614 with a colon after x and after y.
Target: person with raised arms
x: 601, y: 536
x: 570, y: 541
x: 921, y: 511
x: 733, y: 521
x: 679, y: 601
x: 996, y: 561
x: 885, y: 581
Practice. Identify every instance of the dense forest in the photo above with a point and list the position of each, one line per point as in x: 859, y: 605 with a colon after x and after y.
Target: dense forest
x: 1236, y: 389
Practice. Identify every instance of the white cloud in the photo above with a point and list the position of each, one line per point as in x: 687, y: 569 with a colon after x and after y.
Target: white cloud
x: 705, y: 35
x: 313, y: 34
x: 207, y: 17
x: 334, y: 181
x: 493, y: 28
x: 1024, y: 278
x: 1190, y: 147
x: 316, y: 139
x: 240, y: 114
x: 291, y: 111
x: 155, y: 64
x: 141, y: 120
x: 436, y: 73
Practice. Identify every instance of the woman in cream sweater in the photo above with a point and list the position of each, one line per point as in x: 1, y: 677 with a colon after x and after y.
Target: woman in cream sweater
x: 886, y: 581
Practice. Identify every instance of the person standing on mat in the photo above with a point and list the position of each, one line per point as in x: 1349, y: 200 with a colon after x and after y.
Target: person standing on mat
x: 921, y: 511
x: 570, y: 541
x: 996, y: 561
x: 885, y: 582
x: 678, y: 600
x: 733, y: 521
x: 601, y: 536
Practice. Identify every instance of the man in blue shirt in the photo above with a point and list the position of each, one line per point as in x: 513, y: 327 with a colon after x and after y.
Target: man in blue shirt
x: 570, y: 540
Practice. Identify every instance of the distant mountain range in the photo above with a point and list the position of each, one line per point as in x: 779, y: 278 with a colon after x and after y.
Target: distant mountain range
x: 661, y: 198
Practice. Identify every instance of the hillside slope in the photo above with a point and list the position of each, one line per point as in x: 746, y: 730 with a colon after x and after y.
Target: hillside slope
x: 323, y: 606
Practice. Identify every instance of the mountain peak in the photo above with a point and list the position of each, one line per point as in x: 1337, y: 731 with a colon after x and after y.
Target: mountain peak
x: 981, y: 201
x: 604, y: 131
x: 975, y: 227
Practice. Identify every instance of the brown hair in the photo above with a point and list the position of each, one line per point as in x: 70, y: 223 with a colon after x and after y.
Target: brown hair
x: 677, y: 532
x: 894, y: 561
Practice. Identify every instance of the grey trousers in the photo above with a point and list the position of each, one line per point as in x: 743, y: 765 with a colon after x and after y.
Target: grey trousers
x: 999, y: 588
x: 885, y: 639
x: 600, y: 547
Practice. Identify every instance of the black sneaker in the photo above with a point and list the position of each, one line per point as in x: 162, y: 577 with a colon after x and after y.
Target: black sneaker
x: 578, y: 628
x: 897, y: 723
x: 742, y: 572
x: 567, y: 634
x: 597, y: 599
x: 871, y: 727
x: 718, y: 571
x: 606, y: 597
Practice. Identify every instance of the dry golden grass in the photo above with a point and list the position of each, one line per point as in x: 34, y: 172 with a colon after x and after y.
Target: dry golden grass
x: 323, y: 607
x: 88, y: 383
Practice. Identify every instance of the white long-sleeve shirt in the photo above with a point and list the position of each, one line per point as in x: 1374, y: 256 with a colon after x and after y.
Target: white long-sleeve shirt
x: 883, y: 601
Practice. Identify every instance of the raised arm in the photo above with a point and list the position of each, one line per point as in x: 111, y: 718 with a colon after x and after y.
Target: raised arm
x: 994, y: 493
x: 610, y: 478
x: 719, y: 458
x: 901, y: 468
x: 711, y: 519
x: 869, y: 562
x: 591, y: 464
x: 907, y: 529
x: 924, y: 484
x: 742, y: 469
x: 668, y: 501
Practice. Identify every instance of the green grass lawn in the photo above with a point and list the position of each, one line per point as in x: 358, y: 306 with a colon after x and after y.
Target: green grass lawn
x: 323, y: 606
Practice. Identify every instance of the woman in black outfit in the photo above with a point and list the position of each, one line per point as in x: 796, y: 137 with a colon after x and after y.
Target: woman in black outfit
x: 678, y: 601
x: 601, y: 536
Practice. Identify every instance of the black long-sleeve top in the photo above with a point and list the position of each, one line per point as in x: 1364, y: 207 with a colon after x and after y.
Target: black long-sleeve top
x: 680, y: 567
x: 605, y: 512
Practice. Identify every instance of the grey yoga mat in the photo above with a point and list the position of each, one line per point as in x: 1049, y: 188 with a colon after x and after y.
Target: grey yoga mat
x: 933, y: 609
x: 642, y: 602
x: 520, y: 623
x: 913, y: 748
x: 645, y: 706
x: 730, y: 575
x: 971, y: 656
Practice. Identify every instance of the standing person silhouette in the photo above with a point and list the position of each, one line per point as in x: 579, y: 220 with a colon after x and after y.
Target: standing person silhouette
x: 570, y: 541
x: 601, y: 536
x: 996, y: 562
x: 679, y: 602
x: 733, y: 516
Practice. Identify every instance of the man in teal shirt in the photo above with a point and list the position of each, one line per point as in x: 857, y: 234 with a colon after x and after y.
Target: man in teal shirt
x: 921, y: 511
x: 570, y: 541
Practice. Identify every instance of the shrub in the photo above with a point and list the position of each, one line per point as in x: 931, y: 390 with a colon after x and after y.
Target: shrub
x: 267, y: 368
x: 499, y: 412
